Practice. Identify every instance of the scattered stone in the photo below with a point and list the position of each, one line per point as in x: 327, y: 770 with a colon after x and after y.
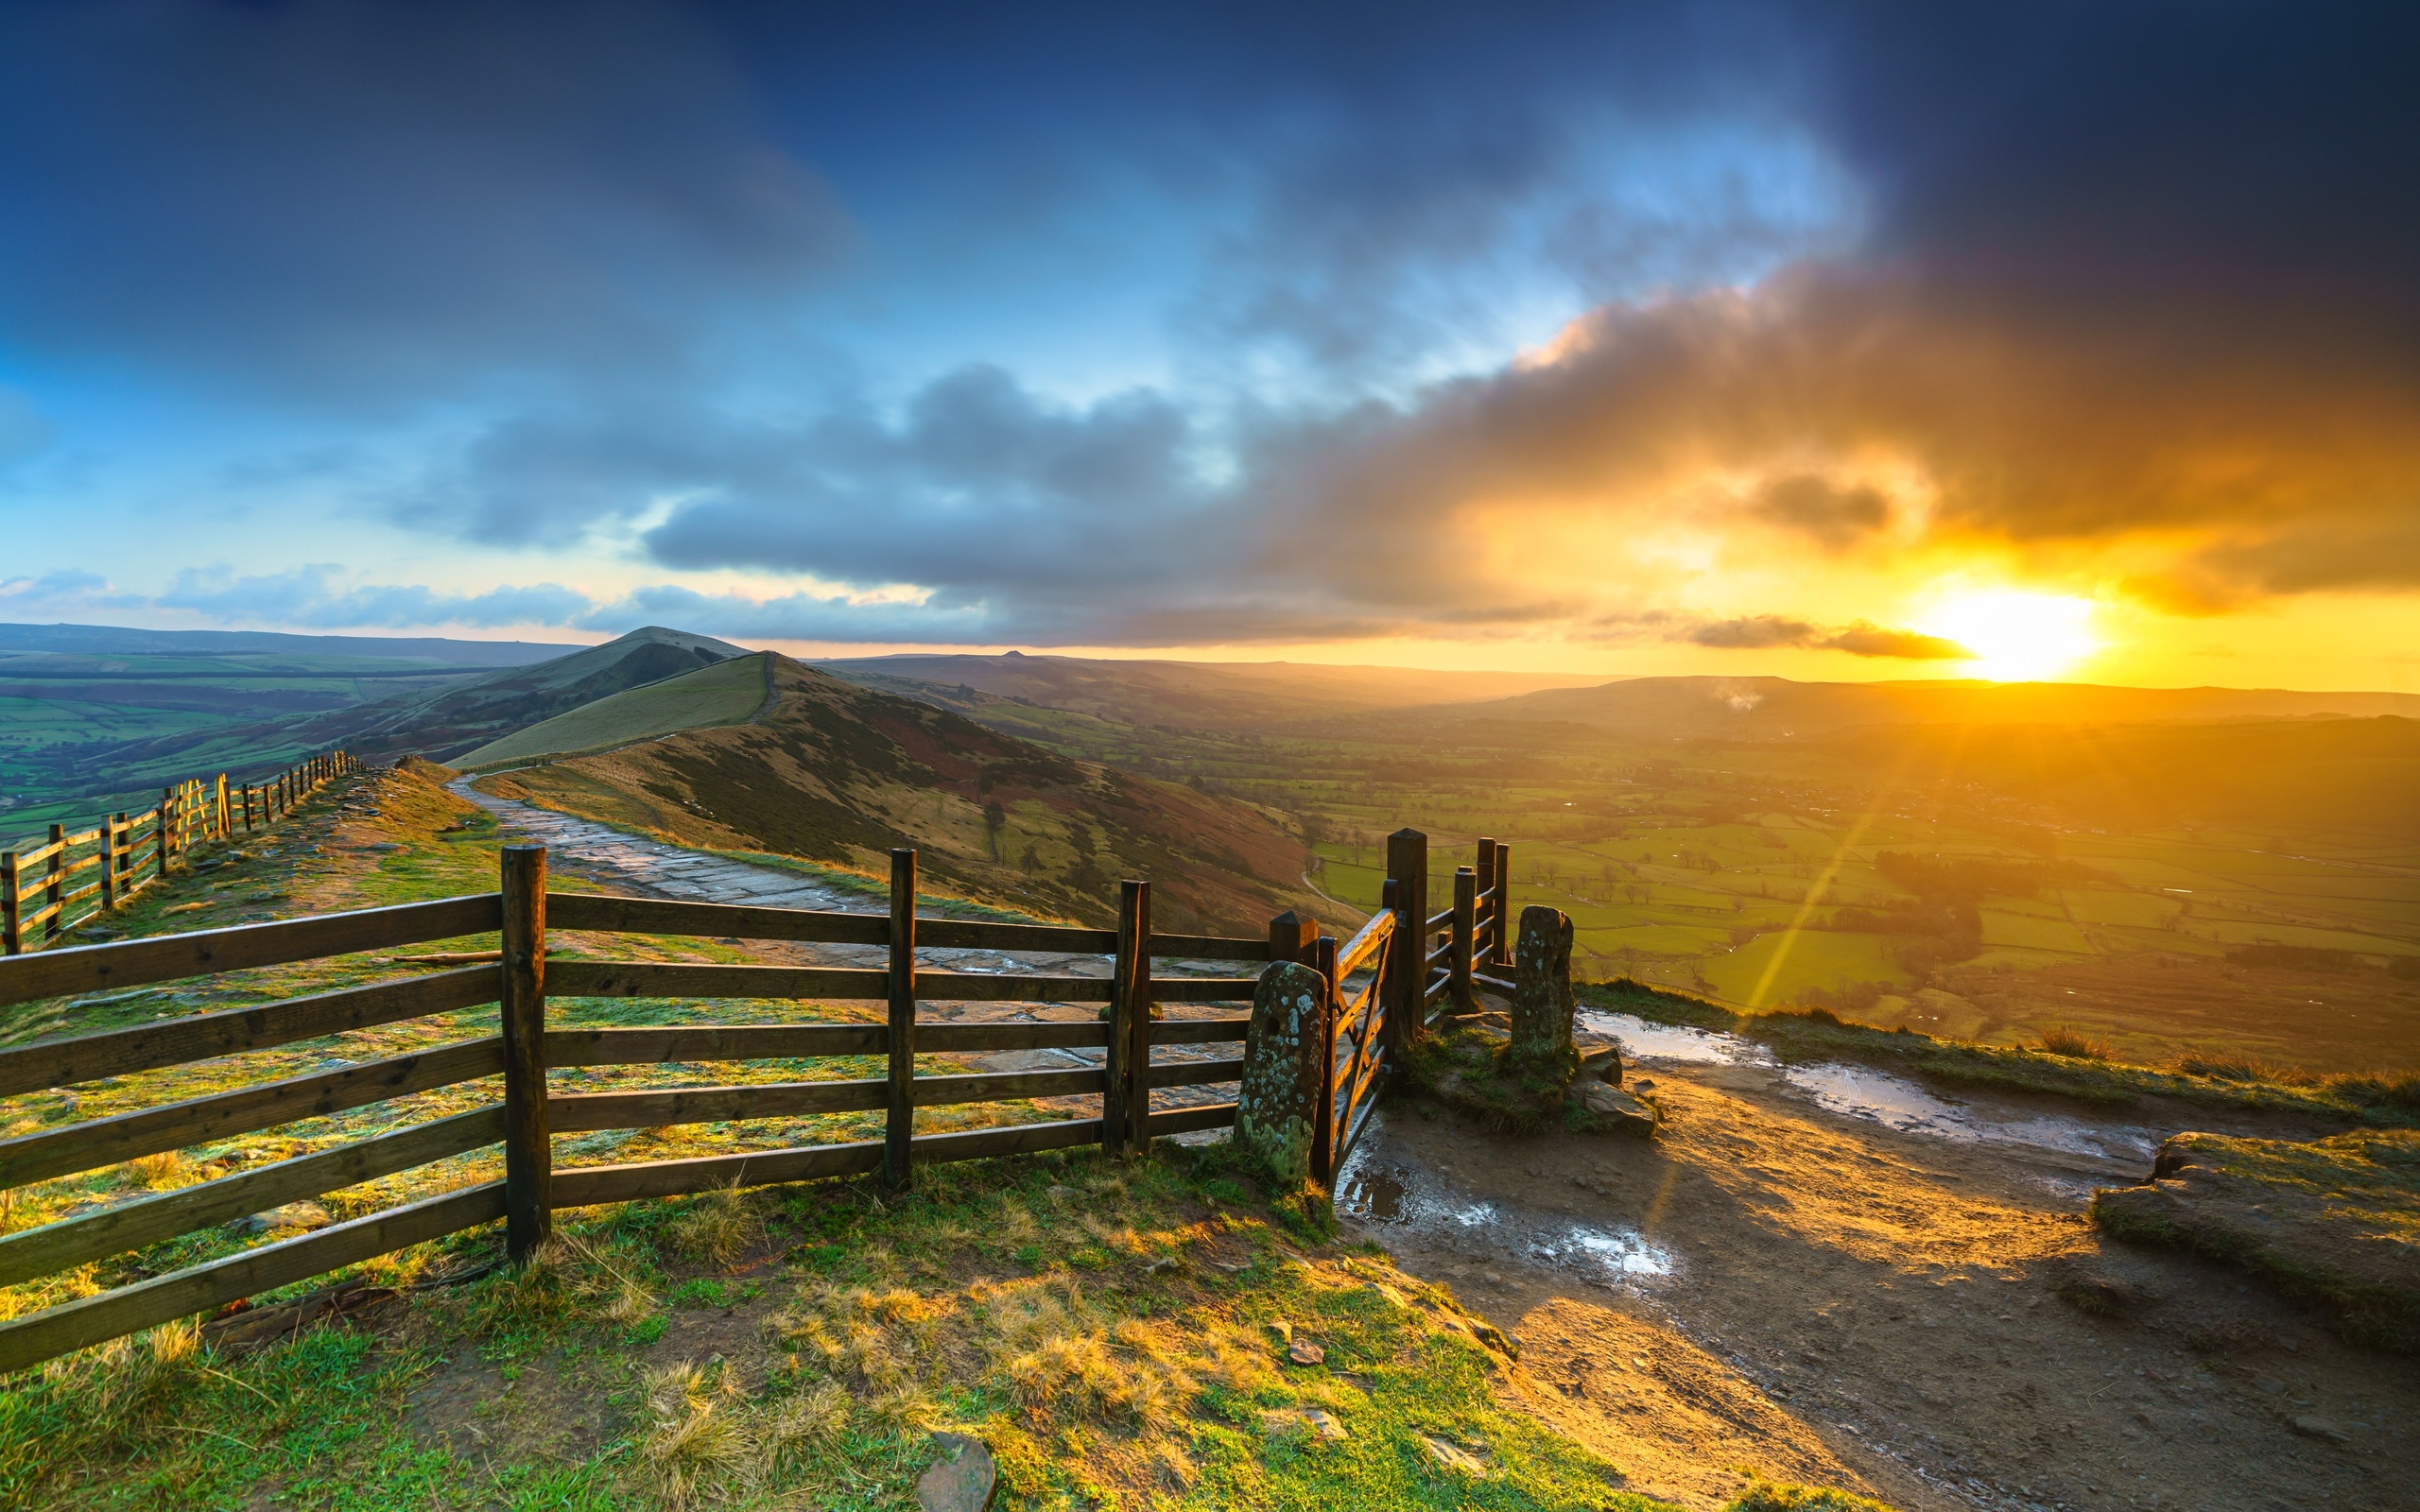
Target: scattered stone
x: 295, y: 1218
x: 963, y: 1480
x: 2319, y: 1428
x: 1302, y: 1351
x: 1319, y: 1422
x: 1454, y: 1458
x: 1605, y: 1065
x: 1165, y: 1264
x: 1058, y: 1193
x: 1617, y: 1112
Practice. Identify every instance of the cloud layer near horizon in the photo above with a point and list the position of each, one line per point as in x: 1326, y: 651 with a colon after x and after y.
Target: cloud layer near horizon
x: 1850, y: 299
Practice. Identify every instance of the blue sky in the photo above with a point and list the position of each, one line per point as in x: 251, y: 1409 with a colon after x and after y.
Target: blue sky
x: 1581, y: 335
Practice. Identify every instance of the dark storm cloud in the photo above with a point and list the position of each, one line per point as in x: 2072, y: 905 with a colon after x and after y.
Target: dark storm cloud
x: 338, y: 200
x: 2117, y: 274
x: 1761, y: 632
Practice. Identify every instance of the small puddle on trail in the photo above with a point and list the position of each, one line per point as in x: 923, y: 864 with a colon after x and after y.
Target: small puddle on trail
x: 1378, y: 1190
x: 1862, y: 1092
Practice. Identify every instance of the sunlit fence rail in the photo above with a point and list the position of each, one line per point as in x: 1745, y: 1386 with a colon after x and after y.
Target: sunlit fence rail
x: 1382, y: 985
x: 40, y: 892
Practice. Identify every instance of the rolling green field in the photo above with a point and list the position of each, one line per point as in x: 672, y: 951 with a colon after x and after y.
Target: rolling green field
x: 72, y: 726
x: 1722, y: 868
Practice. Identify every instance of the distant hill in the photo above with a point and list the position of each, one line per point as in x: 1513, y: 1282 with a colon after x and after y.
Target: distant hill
x: 90, y: 714
x: 117, y: 640
x: 1189, y: 695
x: 189, y: 729
x: 469, y: 714
x: 725, y: 693
x: 1779, y: 709
x: 839, y: 773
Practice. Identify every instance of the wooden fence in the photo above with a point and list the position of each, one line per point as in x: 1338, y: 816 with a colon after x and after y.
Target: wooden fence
x: 1400, y: 978
x: 38, y: 891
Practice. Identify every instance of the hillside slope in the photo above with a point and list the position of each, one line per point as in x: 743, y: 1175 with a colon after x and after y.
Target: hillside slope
x: 724, y: 693
x: 440, y: 722
x: 841, y: 774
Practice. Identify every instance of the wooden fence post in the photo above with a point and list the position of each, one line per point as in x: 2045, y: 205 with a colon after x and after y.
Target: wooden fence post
x: 1290, y: 937
x: 109, y: 864
x: 1485, y: 866
x: 1407, y: 959
x: 1129, y: 1066
x: 1507, y: 922
x: 55, y: 883
x: 1465, y: 912
x: 528, y: 1151
x: 899, y: 1122
x: 1324, y: 1132
x: 12, y: 941
x: 160, y: 837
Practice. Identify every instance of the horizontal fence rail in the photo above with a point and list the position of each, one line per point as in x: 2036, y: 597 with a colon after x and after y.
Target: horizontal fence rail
x: 532, y: 1112
x: 1382, y: 985
x: 38, y: 896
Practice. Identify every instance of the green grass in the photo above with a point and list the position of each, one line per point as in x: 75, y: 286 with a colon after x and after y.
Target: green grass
x: 1113, y: 1330
x: 725, y: 693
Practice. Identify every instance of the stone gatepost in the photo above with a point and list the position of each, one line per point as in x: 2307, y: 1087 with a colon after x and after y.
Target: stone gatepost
x: 1542, y: 999
x: 1279, y: 1105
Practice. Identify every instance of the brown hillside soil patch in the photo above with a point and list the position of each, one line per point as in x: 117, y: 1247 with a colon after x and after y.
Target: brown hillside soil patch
x: 839, y: 774
x: 1838, y: 1293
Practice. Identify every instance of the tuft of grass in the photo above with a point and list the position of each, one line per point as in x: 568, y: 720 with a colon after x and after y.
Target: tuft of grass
x: 715, y: 1226
x: 696, y: 1440
x: 2059, y: 1040
x: 2227, y: 1065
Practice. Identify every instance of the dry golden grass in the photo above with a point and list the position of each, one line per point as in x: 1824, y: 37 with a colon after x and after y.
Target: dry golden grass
x: 697, y: 1441
x: 716, y: 1227
x: 2059, y: 1040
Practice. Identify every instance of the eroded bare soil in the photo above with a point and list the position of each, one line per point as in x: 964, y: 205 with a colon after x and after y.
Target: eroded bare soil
x: 1780, y: 1289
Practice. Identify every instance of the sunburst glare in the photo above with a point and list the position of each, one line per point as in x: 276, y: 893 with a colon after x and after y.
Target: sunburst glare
x: 2015, y: 636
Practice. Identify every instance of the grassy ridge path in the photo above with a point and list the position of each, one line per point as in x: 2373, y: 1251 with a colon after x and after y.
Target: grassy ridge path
x: 610, y: 856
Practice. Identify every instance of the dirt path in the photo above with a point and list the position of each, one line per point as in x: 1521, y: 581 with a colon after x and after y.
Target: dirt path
x: 1827, y: 1298
x: 624, y: 863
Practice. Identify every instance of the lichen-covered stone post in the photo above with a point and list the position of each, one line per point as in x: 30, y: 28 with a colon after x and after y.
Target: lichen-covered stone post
x: 1542, y: 1000
x: 1279, y: 1105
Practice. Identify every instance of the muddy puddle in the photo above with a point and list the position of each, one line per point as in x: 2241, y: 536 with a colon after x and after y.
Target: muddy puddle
x: 1381, y: 1189
x: 1862, y: 1092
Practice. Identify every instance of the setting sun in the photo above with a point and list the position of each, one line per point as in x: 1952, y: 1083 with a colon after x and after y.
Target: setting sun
x: 2017, y: 636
